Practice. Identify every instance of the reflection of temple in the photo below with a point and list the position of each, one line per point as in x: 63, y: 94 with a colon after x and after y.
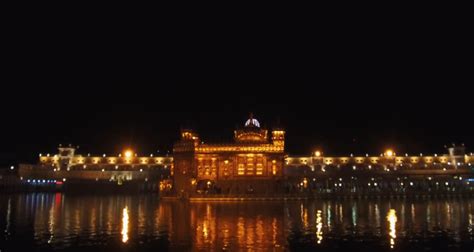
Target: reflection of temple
x: 63, y: 221
x: 252, y: 164
x: 234, y: 226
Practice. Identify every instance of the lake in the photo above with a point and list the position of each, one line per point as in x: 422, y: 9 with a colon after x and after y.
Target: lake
x: 72, y: 222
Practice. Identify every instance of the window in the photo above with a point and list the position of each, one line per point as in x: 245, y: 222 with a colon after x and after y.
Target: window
x: 259, y: 169
x: 241, y: 169
x: 207, y: 167
x: 250, y: 169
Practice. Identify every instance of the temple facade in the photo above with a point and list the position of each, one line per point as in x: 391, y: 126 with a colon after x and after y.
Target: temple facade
x: 253, y: 163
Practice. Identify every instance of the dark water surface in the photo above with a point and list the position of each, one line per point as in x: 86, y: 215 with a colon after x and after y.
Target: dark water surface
x: 44, y: 222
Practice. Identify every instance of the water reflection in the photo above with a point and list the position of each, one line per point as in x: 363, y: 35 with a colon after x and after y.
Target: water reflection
x: 392, y: 221
x: 124, y: 225
x: 226, y: 225
x: 9, y: 212
x: 51, y: 224
x: 319, y: 227
x: 471, y: 223
x: 58, y: 221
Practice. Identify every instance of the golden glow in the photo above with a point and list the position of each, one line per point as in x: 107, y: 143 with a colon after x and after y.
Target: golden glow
x: 125, y: 225
x: 389, y: 153
x: 317, y: 153
x: 392, y: 221
x: 165, y: 185
x: 128, y: 153
x: 241, y: 169
x: 250, y: 167
x: 259, y: 169
x: 319, y: 227
x: 266, y: 148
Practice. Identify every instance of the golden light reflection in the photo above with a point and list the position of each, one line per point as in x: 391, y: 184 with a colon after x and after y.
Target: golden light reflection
x: 241, y: 230
x: 392, y: 220
x: 304, y: 215
x: 319, y: 227
x: 51, y: 223
x: 205, y: 231
x: 259, y: 230
x: 206, y: 227
x: 274, y: 232
x: 329, y: 216
x: 340, y: 213
x: 125, y: 225
x: 233, y: 226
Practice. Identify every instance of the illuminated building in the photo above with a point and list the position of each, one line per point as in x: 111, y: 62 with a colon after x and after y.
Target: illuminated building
x: 253, y: 163
x: 387, y: 173
x: 67, y: 168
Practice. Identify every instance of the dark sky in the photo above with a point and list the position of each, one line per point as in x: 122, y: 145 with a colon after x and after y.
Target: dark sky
x: 340, y: 87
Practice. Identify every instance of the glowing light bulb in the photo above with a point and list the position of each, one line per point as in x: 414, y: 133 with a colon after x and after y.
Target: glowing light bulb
x: 128, y: 153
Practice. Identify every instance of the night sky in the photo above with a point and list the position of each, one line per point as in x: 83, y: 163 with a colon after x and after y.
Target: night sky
x: 342, y: 91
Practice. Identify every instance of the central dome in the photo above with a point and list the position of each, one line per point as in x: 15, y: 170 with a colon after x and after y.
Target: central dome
x: 251, y: 133
x: 252, y: 122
